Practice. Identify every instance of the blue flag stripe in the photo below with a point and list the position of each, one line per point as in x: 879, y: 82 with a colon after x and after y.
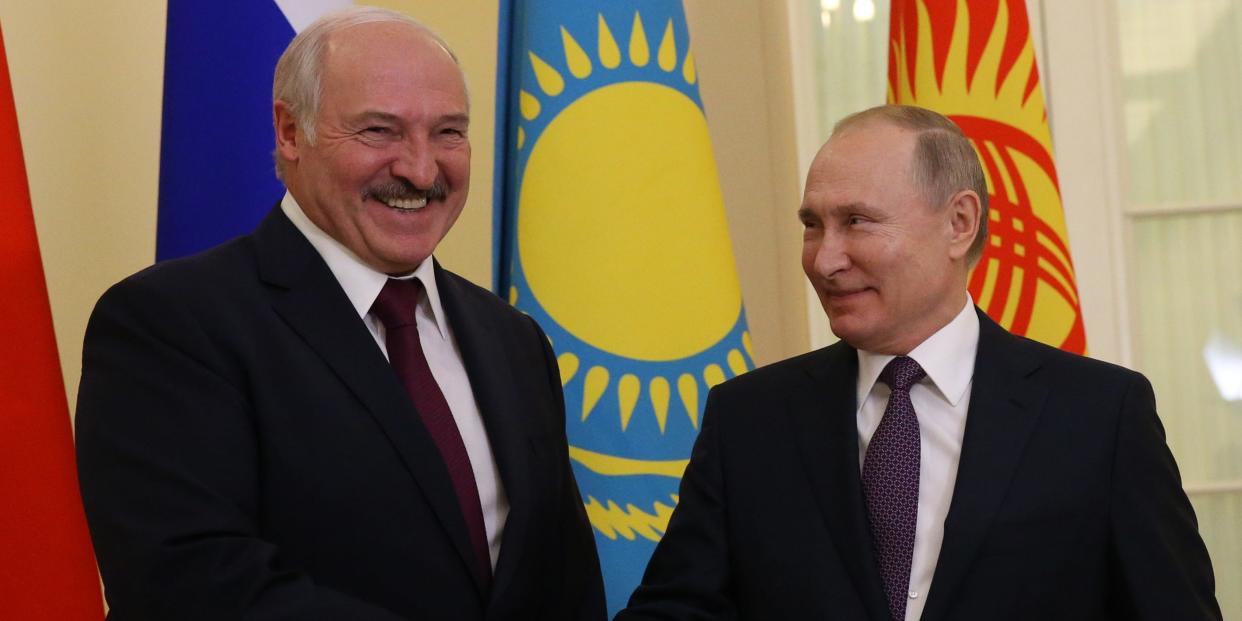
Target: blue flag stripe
x: 217, y: 178
x: 500, y: 215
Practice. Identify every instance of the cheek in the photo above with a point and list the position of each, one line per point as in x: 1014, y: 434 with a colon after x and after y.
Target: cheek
x: 809, y: 249
x: 352, y: 173
x: 457, y: 169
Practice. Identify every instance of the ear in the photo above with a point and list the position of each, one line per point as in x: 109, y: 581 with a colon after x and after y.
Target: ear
x: 963, y: 211
x: 288, y: 141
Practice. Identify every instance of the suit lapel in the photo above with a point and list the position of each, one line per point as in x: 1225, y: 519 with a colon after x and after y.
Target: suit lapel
x: 308, y: 297
x: 1005, y: 403
x: 825, y: 423
x: 483, y: 345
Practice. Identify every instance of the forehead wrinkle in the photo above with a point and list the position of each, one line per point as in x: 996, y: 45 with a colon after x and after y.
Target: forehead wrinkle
x: 347, y: 42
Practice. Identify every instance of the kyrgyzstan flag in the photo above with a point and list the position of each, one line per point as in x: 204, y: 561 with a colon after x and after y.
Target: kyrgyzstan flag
x: 974, y: 62
x: 47, y: 570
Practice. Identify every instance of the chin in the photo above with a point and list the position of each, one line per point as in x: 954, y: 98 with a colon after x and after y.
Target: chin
x: 851, y: 331
x: 843, y: 330
x: 407, y: 252
x: 392, y: 264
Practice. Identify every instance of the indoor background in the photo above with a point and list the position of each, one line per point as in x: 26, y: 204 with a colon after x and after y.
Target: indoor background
x: 1145, y: 107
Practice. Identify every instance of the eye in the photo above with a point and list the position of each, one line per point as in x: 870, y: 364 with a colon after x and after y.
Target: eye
x: 855, y: 219
x: 807, y: 218
x: 378, y: 130
x: 453, y: 131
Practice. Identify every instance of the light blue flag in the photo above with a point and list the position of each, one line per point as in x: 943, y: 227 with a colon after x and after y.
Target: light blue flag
x: 217, y: 178
x: 611, y: 233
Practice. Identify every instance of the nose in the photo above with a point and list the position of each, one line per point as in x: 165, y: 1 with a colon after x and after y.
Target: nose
x: 825, y: 255
x: 416, y: 163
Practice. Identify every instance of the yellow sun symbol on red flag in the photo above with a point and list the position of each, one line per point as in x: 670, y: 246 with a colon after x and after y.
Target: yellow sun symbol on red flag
x: 975, y: 63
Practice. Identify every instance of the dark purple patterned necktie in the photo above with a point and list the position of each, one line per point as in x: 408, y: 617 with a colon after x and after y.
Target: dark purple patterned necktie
x: 891, y: 482
x: 395, y: 308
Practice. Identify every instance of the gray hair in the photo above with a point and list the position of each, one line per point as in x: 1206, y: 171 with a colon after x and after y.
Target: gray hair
x: 944, y: 161
x: 299, y: 73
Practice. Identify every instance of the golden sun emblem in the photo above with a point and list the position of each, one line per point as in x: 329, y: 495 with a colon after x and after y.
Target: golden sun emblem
x: 623, y: 255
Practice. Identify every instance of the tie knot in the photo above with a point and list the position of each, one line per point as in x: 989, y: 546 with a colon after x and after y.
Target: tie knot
x: 901, y: 373
x: 395, y: 305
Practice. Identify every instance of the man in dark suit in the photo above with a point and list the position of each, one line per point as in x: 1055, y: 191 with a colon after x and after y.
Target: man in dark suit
x: 316, y: 421
x: 930, y: 465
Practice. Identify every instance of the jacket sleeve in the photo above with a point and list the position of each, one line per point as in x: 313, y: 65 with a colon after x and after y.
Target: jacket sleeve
x: 1159, y: 564
x: 688, y: 576
x: 168, y: 462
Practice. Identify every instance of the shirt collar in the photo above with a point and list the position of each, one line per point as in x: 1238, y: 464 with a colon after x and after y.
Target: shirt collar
x: 948, y: 357
x: 361, y: 282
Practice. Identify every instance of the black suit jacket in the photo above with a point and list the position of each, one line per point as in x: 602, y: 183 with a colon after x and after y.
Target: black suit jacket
x: 246, y: 452
x: 1067, y: 504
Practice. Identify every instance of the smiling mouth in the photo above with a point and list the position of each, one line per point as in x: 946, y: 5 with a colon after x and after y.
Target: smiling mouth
x: 406, y: 204
x: 403, y: 196
x: 840, y: 294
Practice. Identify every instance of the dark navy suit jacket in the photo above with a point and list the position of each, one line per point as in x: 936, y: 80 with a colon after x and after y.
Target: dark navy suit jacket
x: 1067, y: 504
x: 246, y: 452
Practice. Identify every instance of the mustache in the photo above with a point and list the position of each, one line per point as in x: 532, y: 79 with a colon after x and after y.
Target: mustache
x: 401, y: 189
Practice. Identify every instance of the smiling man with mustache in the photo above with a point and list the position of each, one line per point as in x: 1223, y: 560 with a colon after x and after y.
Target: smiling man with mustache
x: 317, y: 421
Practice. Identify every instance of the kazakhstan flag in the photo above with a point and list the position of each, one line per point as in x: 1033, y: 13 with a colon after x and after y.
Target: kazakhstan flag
x: 611, y: 233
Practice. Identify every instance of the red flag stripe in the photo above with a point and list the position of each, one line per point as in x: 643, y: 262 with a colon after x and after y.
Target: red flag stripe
x: 47, y: 569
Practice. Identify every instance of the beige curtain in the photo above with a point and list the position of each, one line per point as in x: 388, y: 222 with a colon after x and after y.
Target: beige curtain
x: 1181, y: 65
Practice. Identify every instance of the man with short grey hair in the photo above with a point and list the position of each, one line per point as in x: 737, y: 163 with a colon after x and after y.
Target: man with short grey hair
x: 930, y: 465
x: 317, y: 421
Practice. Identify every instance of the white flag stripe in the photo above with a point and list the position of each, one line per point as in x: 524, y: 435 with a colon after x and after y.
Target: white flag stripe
x: 301, y: 13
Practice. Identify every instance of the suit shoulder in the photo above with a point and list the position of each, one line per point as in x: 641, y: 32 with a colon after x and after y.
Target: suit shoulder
x: 483, y: 300
x: 1070, y: 369
x: 189, y: 281
x: 781, y: 375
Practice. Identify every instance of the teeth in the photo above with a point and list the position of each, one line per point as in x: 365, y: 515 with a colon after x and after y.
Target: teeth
x: 408, y: 203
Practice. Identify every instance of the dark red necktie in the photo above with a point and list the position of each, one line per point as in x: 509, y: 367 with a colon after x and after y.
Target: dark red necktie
x: 890, y: 480
x: 395, y: 308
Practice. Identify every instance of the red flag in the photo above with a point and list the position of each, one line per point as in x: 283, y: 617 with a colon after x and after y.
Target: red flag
x: 47, y: 569
x: 974, y: 62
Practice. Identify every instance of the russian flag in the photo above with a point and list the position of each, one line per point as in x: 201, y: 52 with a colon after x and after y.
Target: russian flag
x: 217, y: 177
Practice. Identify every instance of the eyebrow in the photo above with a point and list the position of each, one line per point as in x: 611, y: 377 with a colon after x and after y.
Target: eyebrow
x: 808, y: 213
x: 388, y: 117
x: 376, y: 115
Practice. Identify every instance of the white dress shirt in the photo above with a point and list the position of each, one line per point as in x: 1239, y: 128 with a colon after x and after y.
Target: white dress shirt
x: 362, y: 284
x: 940, y: 402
